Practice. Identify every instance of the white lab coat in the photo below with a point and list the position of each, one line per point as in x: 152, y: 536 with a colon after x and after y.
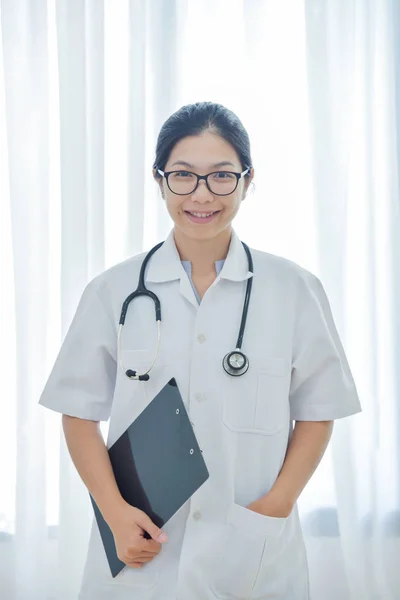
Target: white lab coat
x: 217, y: 548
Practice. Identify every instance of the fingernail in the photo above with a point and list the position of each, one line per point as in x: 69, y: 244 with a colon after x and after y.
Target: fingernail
x: 162, y: 537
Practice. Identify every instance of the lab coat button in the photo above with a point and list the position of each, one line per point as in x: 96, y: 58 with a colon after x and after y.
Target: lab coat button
x: 197, y: 515
x: 199, y: 397
x: 201, y: 338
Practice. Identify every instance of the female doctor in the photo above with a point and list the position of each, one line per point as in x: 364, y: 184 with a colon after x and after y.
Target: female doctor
x: 239, y: 536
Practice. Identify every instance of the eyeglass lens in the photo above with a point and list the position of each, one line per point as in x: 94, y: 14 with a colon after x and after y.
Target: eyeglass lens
x: 184, y: 182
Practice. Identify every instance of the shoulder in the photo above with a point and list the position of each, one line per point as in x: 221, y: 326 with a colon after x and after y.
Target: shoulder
x: 120, y: 278
x: 290, y: 286
x: 272, y: 267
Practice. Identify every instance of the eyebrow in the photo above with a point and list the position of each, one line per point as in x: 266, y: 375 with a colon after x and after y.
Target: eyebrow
x: 186, y: 164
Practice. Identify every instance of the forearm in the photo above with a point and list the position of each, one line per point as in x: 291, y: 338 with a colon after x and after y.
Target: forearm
x: 306, y: 449
x: 90, y: 457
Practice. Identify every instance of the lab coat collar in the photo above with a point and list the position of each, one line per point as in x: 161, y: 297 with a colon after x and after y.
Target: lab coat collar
x: 165, y: 264
x: 236, y: 266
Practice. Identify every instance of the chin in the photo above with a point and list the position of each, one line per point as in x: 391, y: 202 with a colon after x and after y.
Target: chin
x: 208, y: 233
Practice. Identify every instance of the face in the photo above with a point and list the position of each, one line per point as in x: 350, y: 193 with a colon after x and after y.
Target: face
x: 204, y: 154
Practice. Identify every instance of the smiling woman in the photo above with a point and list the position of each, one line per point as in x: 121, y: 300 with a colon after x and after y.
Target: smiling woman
x: 293, y: 368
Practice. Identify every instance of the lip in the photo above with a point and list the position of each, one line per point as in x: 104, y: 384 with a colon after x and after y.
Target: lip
x: 201, y: 220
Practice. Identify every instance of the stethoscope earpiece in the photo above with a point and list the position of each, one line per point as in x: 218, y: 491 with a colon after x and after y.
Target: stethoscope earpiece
x: 132, y: 375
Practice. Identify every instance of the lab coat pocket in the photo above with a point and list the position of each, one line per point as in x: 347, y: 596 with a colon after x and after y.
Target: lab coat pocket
x: 283, y: 571
x: 258, y: 401
x: 240, y: 552
x: 146, y: 577
x: 136, y: 582
x: 98, y: 583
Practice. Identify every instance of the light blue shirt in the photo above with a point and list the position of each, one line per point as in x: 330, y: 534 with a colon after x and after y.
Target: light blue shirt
x: 187, y: 265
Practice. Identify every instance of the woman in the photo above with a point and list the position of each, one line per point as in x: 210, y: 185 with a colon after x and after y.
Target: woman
x: 239, y: 536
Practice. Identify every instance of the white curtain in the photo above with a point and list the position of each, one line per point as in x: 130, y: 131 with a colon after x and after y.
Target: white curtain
x: 85, y: 86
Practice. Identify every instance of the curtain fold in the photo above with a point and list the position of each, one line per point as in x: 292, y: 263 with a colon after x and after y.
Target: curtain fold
x: 25, y: 77
x: 85, y: 88
x: 351, y: 75
x: 80, y: 44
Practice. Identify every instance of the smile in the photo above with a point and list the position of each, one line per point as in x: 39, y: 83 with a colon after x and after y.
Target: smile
x: 201, y: 215
x: 198, y: 217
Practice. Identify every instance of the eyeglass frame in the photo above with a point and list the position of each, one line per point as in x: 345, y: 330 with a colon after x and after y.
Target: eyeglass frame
x: 166, y: 174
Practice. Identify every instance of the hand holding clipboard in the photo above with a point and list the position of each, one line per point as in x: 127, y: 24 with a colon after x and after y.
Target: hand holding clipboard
x: 158, y: 466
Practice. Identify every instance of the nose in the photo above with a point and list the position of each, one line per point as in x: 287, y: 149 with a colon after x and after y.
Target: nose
x: 202, y: 193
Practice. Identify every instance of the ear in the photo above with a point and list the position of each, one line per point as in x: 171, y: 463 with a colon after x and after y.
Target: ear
x: 248, y: 183
x: 159, y: 183
x: 251, y: 176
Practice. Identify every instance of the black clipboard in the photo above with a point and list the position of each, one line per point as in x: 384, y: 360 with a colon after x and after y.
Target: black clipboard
x: 157, y: 463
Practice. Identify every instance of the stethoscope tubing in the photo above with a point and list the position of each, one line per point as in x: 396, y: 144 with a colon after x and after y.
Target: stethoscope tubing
x: 141, y: 290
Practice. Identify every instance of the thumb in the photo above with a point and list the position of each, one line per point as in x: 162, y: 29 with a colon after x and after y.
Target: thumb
x: 156, y: 533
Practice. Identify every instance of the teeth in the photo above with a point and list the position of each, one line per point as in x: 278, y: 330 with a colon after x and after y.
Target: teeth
x: 202, y: 216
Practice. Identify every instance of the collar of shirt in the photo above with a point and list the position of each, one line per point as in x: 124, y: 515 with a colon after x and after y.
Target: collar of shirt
x: 166, y: 263
x: 187, y: 265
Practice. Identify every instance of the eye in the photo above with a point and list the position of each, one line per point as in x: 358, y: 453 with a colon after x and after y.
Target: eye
x: 223, y: 175
x: 183, y: 174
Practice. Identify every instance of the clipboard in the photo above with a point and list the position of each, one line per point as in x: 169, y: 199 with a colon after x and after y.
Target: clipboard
x: 157, y: 463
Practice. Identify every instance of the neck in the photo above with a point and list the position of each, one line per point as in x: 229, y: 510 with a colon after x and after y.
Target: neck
x: 203, y: 253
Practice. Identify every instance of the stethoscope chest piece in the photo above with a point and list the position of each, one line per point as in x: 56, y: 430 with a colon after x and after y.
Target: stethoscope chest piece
x: 235, y: 363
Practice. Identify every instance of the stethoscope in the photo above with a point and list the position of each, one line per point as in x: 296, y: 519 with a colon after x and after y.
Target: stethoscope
x: 235, y: 363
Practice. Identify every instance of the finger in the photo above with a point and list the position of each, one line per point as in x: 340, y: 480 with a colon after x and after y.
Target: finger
x: 143, y: 559
x: 135, y: 552
x: 140, y: 544
x: 144, y: 545
x: 147, y: 524
x: 148, y: 552
x: 139, y: 561
x: 134, y: 565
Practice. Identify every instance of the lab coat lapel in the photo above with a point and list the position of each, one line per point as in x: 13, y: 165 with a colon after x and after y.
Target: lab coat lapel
x: 187, y: 291
x: 166, y: 265
x: 236, y: 267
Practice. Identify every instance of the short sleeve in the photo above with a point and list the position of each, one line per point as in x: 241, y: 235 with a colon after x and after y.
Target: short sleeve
x: 322, y: 387
x: 81, y: 383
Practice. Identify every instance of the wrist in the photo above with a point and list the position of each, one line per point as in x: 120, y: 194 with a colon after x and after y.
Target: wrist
x: 112, y: 510
x: 278, y: 503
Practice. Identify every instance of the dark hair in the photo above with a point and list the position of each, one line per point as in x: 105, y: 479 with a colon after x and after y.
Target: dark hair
x: 194, y: 119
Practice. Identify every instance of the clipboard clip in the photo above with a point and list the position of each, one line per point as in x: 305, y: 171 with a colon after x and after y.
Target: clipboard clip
x: 194, y: 429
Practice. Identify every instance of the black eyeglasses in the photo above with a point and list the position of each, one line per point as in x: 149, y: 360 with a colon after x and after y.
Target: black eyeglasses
x: 220, y: 183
